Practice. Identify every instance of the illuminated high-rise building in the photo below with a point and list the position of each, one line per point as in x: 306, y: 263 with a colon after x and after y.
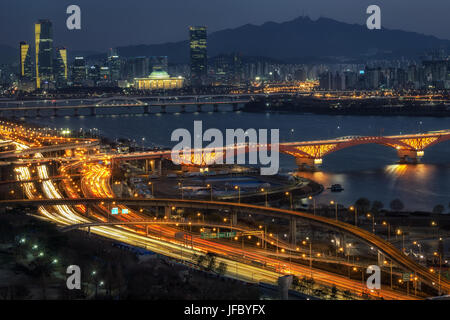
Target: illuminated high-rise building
x: 198, y: 55
x: 61, y: 67
x: 79, y: 72
x: 25, y: 62
x: 115, y: 67
x: 44, y: 52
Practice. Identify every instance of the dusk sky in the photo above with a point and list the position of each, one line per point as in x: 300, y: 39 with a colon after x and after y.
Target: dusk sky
x: 107, y: 23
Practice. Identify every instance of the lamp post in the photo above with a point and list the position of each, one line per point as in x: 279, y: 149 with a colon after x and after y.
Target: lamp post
x: 389, y: 229
x: 151, y: 184
x: 336, y: 208
x: 370, y: 215
x: 362, y: 275
x: 400, y: 232
x: 180, y: 185
x: 440, y: 266
x: 355, y: 209
x: 238, y: 188
x: 304, y: 242
x: 264, y: 190
x: 210, y: 187
x: 289, y: 194
x: 314, y: 204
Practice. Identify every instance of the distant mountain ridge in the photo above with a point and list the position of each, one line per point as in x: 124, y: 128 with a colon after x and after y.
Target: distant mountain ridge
x: 297, y: 40
x: 301, y: 38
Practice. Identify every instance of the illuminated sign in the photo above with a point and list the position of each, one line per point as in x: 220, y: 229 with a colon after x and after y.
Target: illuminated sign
x: 115, y: 211
x: 206, y: 235
x: 124, y: 211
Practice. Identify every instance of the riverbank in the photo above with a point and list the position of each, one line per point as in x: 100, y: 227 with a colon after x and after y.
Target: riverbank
x: 359, y: 107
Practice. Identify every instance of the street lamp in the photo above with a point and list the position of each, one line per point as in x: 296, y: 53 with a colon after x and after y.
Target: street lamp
x: 180, y: 186
x: 352, y: 208
x: 400, y: 232
x: 151, y: 184
x: 210, y: 187
x: 314, y: 203
x: 362, y: 275
x: 304, y: 242
x: 262, y: 190
x: 389, y: 229
x: 440, y: 266
x: 369, y: 215
x: 239, y: 192
x: 336, y: 208
x: 289, y: 194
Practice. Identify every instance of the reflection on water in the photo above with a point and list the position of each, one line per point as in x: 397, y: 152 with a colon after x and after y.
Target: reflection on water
x: 420, y: 186
x: 364, y: 171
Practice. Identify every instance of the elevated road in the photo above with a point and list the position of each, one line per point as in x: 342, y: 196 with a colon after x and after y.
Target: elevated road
x: 372, y: 240
x: 51, y: 148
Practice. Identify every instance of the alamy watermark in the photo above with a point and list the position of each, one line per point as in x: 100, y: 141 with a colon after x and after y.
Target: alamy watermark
x: 73, y: 22
x: 374, y: 20
x: 74, y: 278
x: 255, y: 143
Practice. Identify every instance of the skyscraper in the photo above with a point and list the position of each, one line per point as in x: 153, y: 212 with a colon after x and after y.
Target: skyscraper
x: 25, y: 63
x: 61, y: 67
x: 115, y: 67
x: 198, y: 54
x: 79, y: 71
x: 44, y: 52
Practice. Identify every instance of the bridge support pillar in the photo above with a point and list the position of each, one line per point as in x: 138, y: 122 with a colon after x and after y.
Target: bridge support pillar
x: 146, y: 110
x: 216, y: 107
x: 160, y: 167
x: 38, y: 112
x: 235, y: 107
x: 199, y: 108
x: 55, y: 112
x: 183, y: 109
x: 380, y: 258
x: 163, y: 109
x: 234, y: 218
x: 409, y: 156
x: 89, y: 231
x: 75, y: 112
x: 293, y: 231
x: 167, y: 212
x: 93, y: 113
x: 307, y: 164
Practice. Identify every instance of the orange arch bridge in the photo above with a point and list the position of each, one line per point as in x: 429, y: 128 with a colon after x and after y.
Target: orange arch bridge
x: 410, y: 148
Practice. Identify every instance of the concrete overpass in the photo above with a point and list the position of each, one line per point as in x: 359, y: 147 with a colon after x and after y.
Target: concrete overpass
x: 137, y: 105
x: 292, y: 216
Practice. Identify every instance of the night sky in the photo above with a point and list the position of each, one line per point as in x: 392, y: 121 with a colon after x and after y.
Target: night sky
x: 109, y: 23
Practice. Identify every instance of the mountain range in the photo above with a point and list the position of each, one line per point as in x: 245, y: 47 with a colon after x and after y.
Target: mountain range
x: 298, y: 40
x: 301, y: 39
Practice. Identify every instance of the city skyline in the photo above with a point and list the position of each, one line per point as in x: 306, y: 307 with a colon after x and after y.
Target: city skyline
x: 260, y: 151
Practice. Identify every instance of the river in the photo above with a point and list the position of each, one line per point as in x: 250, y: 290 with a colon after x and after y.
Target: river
x: 364, y: 171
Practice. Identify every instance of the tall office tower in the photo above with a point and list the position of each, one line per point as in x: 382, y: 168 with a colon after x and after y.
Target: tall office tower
x: 198, y: 54
x: 159, y: 63
x: 44, y: 52
x: 25, y: 62
x: 115, y: 67
x: 137, y: 67
x: 79, y: 71
x: 61, y: 67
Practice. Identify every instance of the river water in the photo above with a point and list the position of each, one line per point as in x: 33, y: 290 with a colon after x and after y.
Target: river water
x: 364, y: 171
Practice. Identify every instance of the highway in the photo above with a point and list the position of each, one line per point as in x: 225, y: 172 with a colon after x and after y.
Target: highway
x: 70, y: 207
